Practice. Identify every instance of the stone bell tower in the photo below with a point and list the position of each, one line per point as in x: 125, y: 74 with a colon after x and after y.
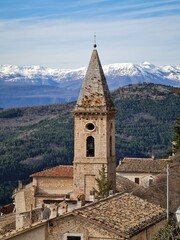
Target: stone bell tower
x: 94, y: 130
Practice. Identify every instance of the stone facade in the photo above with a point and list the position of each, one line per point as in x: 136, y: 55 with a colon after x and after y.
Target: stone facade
x: 87, y: 168
x: 142, y: 171
x: 75, y: 226
x: 52, y: 185
x: 45, y: 189
x: 24, y: 198
x: 143, y: 179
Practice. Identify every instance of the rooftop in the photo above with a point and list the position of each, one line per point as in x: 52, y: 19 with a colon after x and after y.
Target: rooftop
x: 142, y: 165
x: 124, y: 213
x: 7, y: 208
x: 59, y: 171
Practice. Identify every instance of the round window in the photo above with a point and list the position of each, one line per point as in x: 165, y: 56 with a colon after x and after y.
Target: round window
x: 90, y: 126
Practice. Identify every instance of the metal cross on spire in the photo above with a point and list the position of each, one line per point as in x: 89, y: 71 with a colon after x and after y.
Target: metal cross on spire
x: 95, y: 40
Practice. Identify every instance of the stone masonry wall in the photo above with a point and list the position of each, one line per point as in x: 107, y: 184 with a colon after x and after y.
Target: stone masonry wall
x: 143, y: 177
x: 53, y: 185
x: 87, y: 168
x: 60, y: 228
x: 24, y: 198
x: 89, y: 231
x: 150, y: 232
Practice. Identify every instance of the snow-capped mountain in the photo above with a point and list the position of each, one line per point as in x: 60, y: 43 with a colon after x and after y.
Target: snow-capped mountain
x: 43, y: 81
x: 118, y: 74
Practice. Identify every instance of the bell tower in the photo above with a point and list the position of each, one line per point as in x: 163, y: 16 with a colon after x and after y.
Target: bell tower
x: 94, y: 130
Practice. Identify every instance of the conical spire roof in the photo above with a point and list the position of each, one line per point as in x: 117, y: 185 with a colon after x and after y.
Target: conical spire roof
x: 94, y: 95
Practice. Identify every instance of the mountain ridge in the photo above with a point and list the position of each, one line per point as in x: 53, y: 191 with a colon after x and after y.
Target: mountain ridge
x: 36, y: 85
x: 13, y: 73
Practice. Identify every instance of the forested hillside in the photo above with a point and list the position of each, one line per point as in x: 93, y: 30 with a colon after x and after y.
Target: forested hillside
x: 145, y: 119
x: 35, y: 138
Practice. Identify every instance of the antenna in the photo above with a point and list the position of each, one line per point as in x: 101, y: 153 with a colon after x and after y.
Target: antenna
x: 95, y: 40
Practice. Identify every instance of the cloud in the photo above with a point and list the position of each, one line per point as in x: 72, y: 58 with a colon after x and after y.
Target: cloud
x: 128, y: 36
x: 94, y: 9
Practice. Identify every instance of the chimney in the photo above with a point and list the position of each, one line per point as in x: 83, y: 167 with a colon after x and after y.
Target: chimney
x: 80, y: 200
x: 54, y: 210
x: 62, y: 208
x: 91, y: 196
x: 23, y: 220
x: 20, y: 185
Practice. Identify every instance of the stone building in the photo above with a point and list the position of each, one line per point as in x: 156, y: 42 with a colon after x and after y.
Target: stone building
x: 122, y: 217
x: 51, y: 184
x: 142, y: 171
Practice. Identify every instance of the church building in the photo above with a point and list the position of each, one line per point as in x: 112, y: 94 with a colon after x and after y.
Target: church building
x: 94, y: 148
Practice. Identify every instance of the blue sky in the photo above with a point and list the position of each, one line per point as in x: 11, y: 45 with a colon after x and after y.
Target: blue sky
x: 59, y: 33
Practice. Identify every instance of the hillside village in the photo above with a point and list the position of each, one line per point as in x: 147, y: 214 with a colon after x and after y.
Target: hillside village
x: 61, y: 202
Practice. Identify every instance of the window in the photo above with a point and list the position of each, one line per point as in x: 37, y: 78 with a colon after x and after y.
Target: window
x: 150, y: 181
x: 137, y: 180
x: 90, y: 146
x: 90, y: 126
x: 73, y: 238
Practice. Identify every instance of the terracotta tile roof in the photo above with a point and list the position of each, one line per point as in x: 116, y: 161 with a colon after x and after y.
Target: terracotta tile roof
x: 143, y: 165
x: 125, y: 214
x: 7, y: 208
x: 59, y: 171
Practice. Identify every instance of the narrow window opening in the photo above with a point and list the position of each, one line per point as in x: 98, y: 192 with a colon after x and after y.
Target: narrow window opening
x: 90, y: 147
x: 137, y: 180
x: 150, y: 182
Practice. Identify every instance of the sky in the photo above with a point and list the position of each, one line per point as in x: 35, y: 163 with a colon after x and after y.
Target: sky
x: 60, y: 33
